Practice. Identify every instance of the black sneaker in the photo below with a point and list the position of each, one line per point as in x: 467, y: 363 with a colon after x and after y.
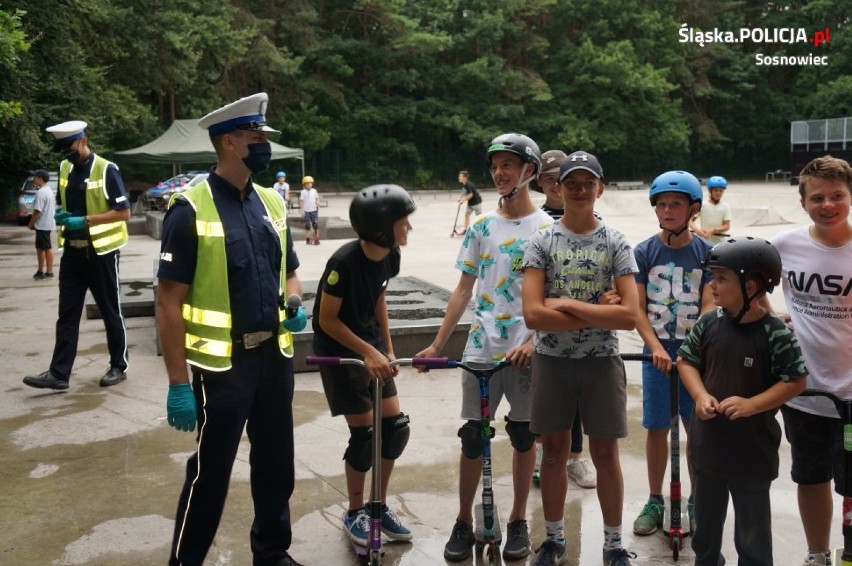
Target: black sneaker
x: 517, y: 540
x: 38, y: 276
x: 48, y: 275
x: 460, y: 543
x: 112, y: 377
x: 45, y: 380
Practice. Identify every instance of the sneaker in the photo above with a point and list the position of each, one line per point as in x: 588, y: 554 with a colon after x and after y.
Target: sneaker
x: 690, y: 511
x: 617, y: 557
x: 460, y: 543
x: 537, y: 471
x: 38, y: 276
x: 817, y: 559
x: 392, y: 526
x: 48, y: 275
x: 550, y: 553
x: 517, y: 540
x: 583, y: 473
x: 308, y: 241
x: 357, y: 526
x: 650, y: 519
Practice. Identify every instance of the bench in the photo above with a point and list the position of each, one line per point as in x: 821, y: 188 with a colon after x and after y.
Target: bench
x: 777, y: 175
x: 625, y: 185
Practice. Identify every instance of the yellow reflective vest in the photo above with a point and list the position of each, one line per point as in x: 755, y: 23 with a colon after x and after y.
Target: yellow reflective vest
x: 105, y: 237
x: 207, y: 307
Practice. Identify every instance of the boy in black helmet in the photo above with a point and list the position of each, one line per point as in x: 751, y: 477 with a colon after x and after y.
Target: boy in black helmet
x: 351, y: 321
x: 739, y: 363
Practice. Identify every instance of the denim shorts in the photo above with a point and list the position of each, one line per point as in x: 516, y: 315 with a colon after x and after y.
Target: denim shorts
x: 656, y: 394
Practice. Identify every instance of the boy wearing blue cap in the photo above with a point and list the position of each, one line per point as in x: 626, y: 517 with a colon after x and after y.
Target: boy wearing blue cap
x: 226, y: 266
x: 673, y: 293
x: 92, y: 230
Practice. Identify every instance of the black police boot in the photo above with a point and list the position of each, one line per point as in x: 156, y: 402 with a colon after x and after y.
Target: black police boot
x: 112, y: 377
x: 45, y: 380
x: 287, y: 561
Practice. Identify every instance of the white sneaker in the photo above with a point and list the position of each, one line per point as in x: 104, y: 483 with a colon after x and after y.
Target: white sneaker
x: 817, y: 559
x: 583, y: 473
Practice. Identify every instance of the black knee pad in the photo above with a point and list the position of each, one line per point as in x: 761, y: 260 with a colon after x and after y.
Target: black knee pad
x: 471, y: 439
x: 395, y: 433
x: 359, y: 453
x: 520, y: 435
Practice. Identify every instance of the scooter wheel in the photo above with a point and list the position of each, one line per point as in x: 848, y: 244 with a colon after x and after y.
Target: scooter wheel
x: 491, y: 553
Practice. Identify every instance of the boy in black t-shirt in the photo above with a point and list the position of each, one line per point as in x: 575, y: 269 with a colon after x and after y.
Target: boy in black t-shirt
x: 739, y: 363
x: 471, y: 196
x: 351, y: 320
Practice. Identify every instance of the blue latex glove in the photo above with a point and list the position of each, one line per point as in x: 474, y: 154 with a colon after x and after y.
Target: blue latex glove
x: 180, y: 407
x: 74, y: 222
x: 296, y: 323
x: 61, y: 215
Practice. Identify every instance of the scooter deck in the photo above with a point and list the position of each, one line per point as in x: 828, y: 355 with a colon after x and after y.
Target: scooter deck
x: 479, y: 525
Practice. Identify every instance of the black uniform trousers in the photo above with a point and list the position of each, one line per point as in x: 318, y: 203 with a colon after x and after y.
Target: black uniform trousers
x: 255, y: 394
x: 81, y: 269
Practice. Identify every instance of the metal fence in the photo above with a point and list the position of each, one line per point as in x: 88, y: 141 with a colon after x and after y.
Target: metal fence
x: 821, y: 132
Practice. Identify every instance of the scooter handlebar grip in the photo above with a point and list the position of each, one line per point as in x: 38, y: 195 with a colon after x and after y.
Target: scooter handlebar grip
x: 434, y: 362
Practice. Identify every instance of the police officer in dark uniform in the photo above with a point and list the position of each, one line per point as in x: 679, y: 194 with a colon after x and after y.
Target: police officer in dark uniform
x: 92, y: 227
x: 226, y: 277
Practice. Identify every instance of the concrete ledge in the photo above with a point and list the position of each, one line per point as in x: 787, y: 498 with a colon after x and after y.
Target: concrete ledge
x: 137, y: 226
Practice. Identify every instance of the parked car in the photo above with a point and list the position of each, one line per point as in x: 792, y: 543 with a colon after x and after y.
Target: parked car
x: 158, y: 197
x: 26, y: 196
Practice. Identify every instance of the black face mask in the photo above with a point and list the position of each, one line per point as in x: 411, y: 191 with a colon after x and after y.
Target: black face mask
x: 259, y: 157
x: 73, y: 156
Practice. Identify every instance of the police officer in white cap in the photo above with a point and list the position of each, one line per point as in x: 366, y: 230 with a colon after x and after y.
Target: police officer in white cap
x: 92, y: 227
x: 228, y: 300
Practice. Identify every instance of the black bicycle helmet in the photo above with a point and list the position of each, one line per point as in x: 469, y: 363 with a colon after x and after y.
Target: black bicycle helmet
x: 747, y: 257
x: 518, y: 144
x: 374, y: 210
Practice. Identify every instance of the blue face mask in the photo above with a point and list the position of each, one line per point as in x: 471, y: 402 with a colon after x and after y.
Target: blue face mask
x: 259, y: 157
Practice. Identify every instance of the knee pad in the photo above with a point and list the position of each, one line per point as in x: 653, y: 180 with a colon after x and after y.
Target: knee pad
x: 471, y: 439
x: 395, y: 433
x: 359, y: 453
x: 520, y: 435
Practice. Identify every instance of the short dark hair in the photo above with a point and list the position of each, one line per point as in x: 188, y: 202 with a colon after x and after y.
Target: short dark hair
x: 44, y: 175
x: 826, y: 167
x: 464, y: 173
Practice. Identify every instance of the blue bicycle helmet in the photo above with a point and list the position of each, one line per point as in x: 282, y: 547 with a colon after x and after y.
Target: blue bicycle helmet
x: 280, y: 174
x: 717, y: 182
x: 677, y: 182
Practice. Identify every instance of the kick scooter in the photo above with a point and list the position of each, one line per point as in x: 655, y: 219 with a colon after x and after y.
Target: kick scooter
x: 842, y: 556
x: 487, y: 522
x: 675, y: 532
x: 455, y: 231
x: 373, y: 552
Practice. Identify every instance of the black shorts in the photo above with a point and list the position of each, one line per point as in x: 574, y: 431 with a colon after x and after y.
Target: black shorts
x: 43, y: 239
x: 816, y: 444
x: 349, y: 389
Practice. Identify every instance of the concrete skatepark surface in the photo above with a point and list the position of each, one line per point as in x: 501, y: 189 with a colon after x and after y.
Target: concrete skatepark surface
x: 92, y: 475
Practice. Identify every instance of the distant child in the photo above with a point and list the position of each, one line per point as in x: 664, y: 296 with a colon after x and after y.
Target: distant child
x: 283, y: 187
x: 568, y: 269
x: 579, y: 469
x: 309, y: 202
x: 817, y: 279
x: 672, y: 295
x: 350, y: 320
x: 715, y: 215
x: 471, y: 196
x: 43, y: 223
x: 490, y: 259
x: 739, y: 363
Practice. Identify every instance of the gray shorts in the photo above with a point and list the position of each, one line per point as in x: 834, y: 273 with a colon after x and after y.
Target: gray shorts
x: 474, y: 209
x: 597, y: 385
x: 514, y: 384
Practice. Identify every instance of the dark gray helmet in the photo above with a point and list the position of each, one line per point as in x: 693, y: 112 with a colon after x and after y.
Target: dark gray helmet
x: 518, y: 144
x: 747, y: 257
x: 374, y: 210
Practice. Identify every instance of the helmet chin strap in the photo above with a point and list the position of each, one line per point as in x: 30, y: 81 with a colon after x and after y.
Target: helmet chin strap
x: 514, y: 191
x: 746, y: 303
x: 676, y: 233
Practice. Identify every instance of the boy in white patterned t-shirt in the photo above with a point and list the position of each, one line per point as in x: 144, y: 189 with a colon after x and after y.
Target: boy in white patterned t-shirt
x: 490, y: 259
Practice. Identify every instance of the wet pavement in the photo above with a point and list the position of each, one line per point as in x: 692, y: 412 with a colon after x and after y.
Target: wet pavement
x: 92, y: 475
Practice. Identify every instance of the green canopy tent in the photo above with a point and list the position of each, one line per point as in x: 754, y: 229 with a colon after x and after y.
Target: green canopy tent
x: 184, y: 142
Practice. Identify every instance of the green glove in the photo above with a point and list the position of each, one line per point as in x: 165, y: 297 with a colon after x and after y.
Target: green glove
x: 61, y: 215
x: 74, y: 222
x: 180, y: 407
x: 298, y: 322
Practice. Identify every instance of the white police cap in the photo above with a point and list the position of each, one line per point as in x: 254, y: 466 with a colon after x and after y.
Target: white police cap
x: 67, y: 132
x: 248, y: 113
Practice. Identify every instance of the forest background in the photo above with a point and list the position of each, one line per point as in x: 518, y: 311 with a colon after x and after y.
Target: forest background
x: 412, y: 91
